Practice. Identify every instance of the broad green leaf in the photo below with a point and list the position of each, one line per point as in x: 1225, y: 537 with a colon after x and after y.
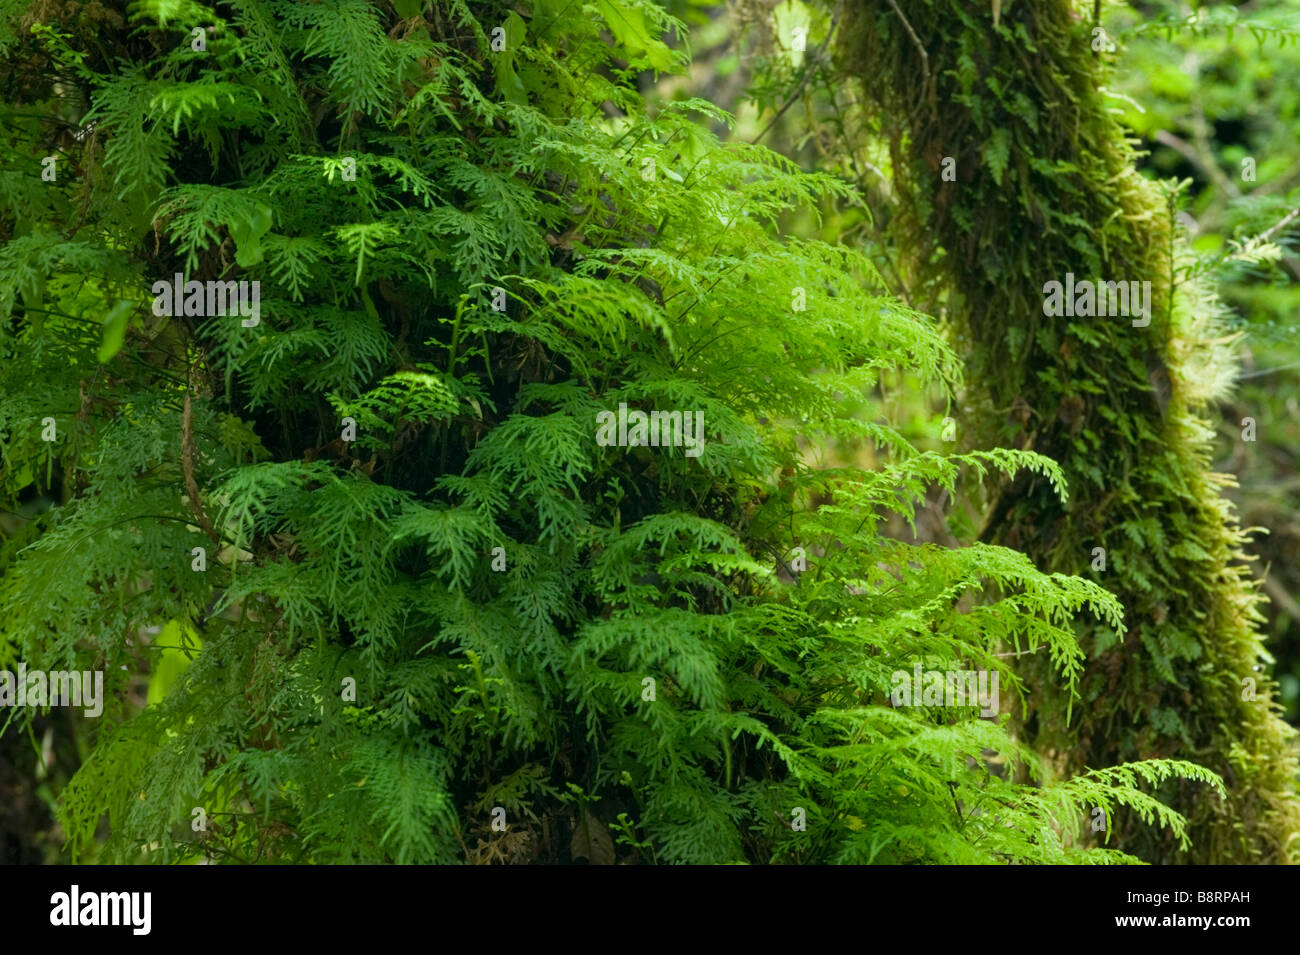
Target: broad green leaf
x: 115, y: 323
x: 628, y: 25
x: 247, y: 231
x: 172, y: 660
x: 793, y: 23
x: 508, y: 82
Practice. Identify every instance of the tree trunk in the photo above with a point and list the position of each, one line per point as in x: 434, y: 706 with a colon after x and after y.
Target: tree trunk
x: 1045, y: 185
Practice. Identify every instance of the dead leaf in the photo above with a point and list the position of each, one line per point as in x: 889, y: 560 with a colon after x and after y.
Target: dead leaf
x: 591, y: 841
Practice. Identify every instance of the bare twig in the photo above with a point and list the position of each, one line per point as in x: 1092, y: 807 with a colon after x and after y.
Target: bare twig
x: 1196, y: 158
x: 1284, y: 601
x: 1268, y: 371
x: 1265, y: 236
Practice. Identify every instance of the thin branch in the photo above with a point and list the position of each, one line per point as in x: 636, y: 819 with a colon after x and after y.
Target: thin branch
x: 1283, y: 600
x: 813, y: 63
x: 189, y: 452
x: 1268, y: 371
x: 925, y: 62
x: 1204, y: 163
x: 1265, y: 236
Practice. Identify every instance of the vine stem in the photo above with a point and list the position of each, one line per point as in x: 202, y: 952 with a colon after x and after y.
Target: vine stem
x: 925, y: 62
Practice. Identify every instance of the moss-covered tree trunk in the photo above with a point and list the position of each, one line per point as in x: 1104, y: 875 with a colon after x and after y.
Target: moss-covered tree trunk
x: 1042, y: 183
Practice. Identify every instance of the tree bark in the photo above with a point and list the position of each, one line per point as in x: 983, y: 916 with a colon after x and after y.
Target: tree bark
x: 1046, y: 185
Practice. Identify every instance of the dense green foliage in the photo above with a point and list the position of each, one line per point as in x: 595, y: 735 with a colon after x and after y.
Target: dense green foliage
x: 499, y: 585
